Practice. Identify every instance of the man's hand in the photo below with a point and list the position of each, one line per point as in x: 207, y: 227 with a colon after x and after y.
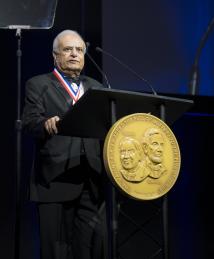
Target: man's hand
x: 50, y: 125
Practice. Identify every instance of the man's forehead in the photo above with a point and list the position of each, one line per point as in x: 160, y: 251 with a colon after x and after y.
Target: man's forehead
x: 71, y: 39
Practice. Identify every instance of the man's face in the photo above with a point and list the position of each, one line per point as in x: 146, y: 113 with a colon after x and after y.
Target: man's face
x: 129, y: 155
x: 70, y: 54
x: 155, y: 148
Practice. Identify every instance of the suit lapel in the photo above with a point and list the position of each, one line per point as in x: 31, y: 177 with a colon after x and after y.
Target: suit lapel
x: 58, y: 86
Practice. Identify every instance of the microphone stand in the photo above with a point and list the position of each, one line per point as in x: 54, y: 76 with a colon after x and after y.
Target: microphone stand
x: 98, y: 68
x: 128, y: 68
x: 194, y: 82
x: 18, y: 128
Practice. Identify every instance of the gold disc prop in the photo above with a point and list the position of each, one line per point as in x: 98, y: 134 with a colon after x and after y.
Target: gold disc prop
x: 142, y: 156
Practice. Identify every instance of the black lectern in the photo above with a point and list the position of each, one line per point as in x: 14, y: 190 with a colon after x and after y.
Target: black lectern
x: 94, y: 114
x: 93, y: 117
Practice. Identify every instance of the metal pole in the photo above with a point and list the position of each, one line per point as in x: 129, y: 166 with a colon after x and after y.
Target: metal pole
x: 165, y: 203
x: 112, y: 211
x: 18, y: 128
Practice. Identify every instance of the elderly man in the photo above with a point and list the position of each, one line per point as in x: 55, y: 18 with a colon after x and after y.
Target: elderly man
x: 66, y: 176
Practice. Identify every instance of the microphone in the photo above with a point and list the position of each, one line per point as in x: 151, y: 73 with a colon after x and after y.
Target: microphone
x: 98, y: 68
x: 128, y: 68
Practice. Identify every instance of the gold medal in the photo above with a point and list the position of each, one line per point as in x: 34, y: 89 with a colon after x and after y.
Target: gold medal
x: 142, y: 156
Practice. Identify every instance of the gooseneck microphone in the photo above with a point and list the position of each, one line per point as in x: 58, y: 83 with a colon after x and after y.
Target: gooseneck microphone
x: 98, y: 68
x: 194, y: 81
x: 128, y: 68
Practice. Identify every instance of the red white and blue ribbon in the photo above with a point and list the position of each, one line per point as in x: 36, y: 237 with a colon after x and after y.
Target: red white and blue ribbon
x: 71, y: 88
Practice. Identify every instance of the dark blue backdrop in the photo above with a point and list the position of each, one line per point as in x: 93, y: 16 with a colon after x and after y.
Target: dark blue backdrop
x: 158, y: 39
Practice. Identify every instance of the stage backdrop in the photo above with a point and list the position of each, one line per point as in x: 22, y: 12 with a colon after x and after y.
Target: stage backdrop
x: 158, y: 39
x: 164, y: 57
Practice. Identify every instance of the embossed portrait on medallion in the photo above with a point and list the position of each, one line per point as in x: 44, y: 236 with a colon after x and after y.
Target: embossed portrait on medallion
x: 153, y: 148
x: 131, y: 160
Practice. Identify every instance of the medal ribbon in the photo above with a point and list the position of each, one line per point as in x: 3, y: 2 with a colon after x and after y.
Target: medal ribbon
x: 69, y: 87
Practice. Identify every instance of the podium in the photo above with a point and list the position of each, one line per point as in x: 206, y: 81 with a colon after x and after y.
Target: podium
x: 94, y: 114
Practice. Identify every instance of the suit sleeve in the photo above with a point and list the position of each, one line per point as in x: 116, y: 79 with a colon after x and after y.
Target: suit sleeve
x: 33, y: 117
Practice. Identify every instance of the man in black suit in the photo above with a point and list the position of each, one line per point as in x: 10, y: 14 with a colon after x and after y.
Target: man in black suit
x: 67, y: 170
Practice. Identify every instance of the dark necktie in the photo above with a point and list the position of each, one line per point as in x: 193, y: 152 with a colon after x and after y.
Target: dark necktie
x: 71, y: 80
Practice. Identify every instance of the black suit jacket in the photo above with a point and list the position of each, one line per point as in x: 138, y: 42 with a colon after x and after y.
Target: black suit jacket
x: 57, y: 172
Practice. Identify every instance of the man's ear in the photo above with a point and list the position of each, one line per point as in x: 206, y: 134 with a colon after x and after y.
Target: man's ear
x: 55, y: 58
x: 54, y: 55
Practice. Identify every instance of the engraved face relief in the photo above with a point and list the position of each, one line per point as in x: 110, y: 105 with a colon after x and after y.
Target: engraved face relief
x: 130, y: 153
x: 153, y: 147
x: 130, y: 157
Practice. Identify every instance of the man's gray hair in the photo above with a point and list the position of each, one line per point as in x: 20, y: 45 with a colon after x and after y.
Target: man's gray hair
x: 63, y: 33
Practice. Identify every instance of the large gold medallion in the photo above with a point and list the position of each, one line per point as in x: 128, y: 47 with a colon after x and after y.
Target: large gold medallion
x: 142, y: 156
